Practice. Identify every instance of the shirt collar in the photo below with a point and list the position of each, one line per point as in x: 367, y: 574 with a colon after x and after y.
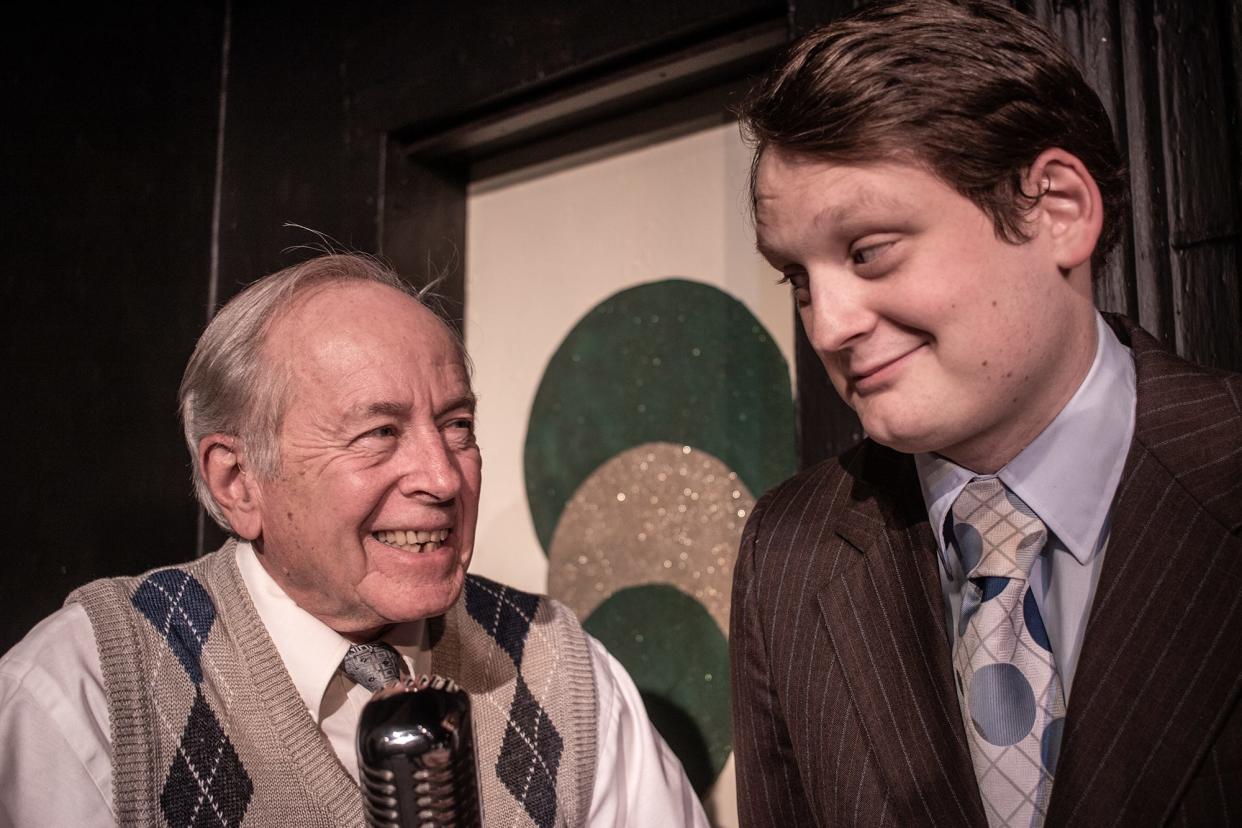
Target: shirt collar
x: 1069, y: 473
x: 310, y: 649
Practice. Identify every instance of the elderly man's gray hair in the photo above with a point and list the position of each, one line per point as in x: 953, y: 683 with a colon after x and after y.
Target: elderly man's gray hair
x: 229, y: 387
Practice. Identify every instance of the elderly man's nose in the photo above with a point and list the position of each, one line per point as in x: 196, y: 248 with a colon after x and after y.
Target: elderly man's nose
x: 430, y: 471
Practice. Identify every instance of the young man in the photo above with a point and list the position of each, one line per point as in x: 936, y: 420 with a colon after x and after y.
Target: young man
x: 1016, y: 601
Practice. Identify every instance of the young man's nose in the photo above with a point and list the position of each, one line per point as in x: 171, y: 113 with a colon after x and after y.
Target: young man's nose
x: 838, y: 313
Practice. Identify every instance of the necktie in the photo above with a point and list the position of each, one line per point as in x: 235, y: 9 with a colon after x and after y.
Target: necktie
x: 1007, y: 681
x: 374, y: 666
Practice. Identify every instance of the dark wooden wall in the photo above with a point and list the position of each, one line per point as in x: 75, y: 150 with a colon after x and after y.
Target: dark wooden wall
x: 1168, y: 72
x: 153, y: 155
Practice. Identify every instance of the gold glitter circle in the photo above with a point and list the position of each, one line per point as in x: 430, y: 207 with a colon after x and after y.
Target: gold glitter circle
x: 658, y: 513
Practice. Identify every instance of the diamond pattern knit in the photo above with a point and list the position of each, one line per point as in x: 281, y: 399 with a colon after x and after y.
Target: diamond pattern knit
x: 206, y: 785
x: 1008, y: 686
x: 209, y: 730
x: 530, y: 754
x: 178, y: 606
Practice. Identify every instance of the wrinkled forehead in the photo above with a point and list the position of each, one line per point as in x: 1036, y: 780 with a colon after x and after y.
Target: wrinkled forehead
x: 336, y: 331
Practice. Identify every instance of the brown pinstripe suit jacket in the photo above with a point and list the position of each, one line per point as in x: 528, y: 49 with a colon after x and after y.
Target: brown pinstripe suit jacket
x: 844, y: 706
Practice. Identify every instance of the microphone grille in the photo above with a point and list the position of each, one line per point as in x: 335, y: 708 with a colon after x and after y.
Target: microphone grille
x: 416, y: 757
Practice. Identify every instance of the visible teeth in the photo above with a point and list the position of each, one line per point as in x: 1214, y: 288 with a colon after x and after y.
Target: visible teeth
x: 421, y: 540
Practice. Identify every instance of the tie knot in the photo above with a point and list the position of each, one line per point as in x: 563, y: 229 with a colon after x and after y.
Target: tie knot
x: 374, y: 666
x: 997, y: 534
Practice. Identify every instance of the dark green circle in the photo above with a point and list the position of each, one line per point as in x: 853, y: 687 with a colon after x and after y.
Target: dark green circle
x: 671, y: 361
x: 679, y: 660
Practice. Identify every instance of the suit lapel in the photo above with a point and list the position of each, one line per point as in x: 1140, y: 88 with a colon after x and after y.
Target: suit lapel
x: 884, y: 615
x: 1160, y: 665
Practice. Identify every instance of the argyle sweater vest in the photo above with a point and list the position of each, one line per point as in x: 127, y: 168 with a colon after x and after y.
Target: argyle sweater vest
x: 208, y: 729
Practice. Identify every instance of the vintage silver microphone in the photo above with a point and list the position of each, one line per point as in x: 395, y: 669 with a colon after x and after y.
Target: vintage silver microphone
x: 416, y: 757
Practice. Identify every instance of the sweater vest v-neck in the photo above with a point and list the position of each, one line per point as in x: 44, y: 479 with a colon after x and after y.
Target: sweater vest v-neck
x: 207, y: 727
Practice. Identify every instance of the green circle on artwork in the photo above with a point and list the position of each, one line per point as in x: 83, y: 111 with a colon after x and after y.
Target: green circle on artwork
x: 679, y: 659
x: 673, y: 361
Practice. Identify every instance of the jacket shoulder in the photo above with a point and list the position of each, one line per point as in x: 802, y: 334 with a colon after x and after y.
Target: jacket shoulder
x: 1189, y: 419
x: 851, y: 495
x: 857, y: 480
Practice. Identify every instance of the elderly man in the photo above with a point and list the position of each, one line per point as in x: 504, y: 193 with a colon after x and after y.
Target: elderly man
x: 1017, y: 600
x: 330, y: 419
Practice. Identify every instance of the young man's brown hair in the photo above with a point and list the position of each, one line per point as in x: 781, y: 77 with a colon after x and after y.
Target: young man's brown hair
x: 974, y: 91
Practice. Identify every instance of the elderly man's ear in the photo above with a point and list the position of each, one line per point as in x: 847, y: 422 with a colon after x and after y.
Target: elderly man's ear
x: 1069, y: 207
x: 234, y: 488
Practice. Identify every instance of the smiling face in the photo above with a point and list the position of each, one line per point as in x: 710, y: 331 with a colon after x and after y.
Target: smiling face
x: 370, y: 519
x: 941, y: 336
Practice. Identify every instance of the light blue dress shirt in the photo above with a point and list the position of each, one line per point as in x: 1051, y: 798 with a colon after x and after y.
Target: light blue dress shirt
x: 1068, y: 475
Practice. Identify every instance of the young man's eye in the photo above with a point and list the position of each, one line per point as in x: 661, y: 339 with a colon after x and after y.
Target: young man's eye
x: 800, y: 286
x: 796, y: 279
x: 866, y: 255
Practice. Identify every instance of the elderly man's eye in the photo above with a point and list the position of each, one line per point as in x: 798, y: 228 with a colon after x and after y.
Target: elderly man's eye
x: 384, y: 431
x: 460, y: 432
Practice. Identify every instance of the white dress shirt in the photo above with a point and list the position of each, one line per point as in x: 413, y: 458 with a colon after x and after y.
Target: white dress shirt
x: 56, y: 749
x: 1068, y: 475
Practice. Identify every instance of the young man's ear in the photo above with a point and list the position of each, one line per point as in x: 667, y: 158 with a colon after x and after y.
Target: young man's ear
x: 233, y: 487
x: 1069, y: 207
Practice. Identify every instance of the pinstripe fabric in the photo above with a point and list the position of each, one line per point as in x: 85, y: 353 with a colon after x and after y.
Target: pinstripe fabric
x: 1154, y: 731
x: 844, y: 709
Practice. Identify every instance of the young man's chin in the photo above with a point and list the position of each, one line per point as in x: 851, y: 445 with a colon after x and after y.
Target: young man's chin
x: 909, y: 436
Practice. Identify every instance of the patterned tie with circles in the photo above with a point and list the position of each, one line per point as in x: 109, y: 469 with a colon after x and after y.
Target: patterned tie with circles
x: 1007, y: 681
x: 374, y: 666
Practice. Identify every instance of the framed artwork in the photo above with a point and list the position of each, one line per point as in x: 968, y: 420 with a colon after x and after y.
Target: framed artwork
x: 633, y: 365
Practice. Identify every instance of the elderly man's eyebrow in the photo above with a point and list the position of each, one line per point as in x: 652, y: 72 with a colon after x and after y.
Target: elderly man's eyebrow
x: 384, y: 408
x: 467, y: 401
x: 389, y: 408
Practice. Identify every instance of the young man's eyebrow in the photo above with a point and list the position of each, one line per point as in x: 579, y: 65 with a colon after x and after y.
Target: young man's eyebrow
x: 860, y: 201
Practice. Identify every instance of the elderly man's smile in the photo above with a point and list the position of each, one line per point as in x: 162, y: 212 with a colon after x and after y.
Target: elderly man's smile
x: 412, y: 540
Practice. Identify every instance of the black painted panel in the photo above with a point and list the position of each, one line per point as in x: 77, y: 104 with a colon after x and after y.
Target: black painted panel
x: 427, y: 66
x: 109, y: 145
x: 289, y: 154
